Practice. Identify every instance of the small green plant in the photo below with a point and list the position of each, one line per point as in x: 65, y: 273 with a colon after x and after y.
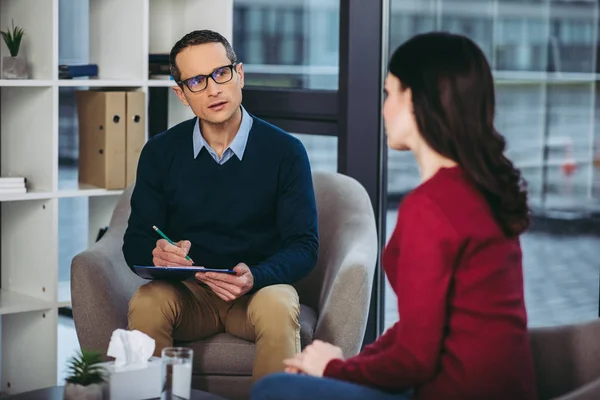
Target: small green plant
x: 84, y: 369
x: 13, y: 38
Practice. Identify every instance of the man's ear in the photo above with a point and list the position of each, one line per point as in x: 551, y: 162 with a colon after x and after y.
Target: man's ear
x: 179, y: 92
x: 240, y: 72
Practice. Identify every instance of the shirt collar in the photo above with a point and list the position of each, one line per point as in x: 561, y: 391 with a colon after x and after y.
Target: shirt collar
x: 237, y: 145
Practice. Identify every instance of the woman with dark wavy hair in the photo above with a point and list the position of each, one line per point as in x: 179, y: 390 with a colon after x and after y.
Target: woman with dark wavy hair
x: 454, y: 259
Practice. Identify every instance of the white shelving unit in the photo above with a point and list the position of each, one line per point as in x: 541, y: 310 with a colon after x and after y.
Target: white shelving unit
x: 121, y: 35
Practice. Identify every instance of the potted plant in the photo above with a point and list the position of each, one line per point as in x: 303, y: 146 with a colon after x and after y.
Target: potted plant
x: 87, y: 379
x: 13, y: 66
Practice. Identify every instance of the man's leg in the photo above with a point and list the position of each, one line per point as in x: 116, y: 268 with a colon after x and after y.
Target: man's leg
x: 166, y: 311
x: 271, y: 318
x: 284, y: 386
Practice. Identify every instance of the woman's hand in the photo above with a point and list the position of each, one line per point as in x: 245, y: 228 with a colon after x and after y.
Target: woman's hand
x: 314, y: 359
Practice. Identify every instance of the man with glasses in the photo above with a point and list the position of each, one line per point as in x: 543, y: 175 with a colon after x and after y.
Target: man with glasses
x: 232, y: 192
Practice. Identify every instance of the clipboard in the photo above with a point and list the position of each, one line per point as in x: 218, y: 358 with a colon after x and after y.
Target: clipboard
x: 174, y: 273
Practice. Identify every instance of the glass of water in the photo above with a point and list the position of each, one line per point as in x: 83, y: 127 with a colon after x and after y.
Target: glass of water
x: 176, y: 373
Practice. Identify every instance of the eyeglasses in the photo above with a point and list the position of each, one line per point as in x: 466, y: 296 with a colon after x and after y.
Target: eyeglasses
x: 199, y: 82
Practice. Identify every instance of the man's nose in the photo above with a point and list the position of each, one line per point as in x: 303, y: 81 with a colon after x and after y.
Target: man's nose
x: 213, y: 88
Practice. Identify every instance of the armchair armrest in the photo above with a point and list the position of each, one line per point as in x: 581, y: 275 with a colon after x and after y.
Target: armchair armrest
x: 566, y: 357
x: 586, y: 392
x: 343, y: 317
x: 101, y: 286
x: 339, y: 288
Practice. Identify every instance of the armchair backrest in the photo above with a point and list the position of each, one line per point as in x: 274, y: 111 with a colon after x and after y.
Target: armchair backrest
x: 346, y: 230
x: 120, y: 215
x: 347, y: 237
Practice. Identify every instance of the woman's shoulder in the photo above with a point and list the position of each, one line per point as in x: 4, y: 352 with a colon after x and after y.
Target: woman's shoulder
x: 452, y: 201
x: 420, y: 210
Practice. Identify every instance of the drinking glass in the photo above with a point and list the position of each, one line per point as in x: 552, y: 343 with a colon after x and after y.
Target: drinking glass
x: 176, y: 373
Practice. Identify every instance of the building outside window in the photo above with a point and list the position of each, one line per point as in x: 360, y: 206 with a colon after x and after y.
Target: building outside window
x: 544, y: 58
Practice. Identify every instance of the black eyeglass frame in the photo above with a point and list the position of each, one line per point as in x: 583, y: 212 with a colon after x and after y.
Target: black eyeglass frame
x: 211, y: 76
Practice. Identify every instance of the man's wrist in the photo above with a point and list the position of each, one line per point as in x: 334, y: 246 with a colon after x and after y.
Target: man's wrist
x: 256, y: 278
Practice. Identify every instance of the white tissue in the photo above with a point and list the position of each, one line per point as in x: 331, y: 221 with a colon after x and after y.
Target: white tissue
x: 130, y: 348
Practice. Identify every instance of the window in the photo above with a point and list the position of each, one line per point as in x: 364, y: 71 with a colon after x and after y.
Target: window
x: 288, y: 44
x: 551, y: 122
x: 321, y: 150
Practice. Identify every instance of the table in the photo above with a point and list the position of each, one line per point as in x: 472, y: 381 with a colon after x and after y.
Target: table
x: 56, y: 393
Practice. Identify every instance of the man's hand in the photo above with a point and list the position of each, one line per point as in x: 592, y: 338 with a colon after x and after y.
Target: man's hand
x: 227, y: 286
x: 166, y: 254
x: 314, y: 359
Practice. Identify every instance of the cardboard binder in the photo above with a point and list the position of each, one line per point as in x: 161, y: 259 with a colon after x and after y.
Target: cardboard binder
x: 136, y: 132
x: 102, y: 138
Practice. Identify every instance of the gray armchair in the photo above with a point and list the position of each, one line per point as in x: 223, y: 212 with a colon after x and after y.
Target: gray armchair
x: 567, y: 361
x: 334, y: 297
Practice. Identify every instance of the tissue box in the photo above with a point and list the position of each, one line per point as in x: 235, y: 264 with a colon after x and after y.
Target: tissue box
x: 134, y: 382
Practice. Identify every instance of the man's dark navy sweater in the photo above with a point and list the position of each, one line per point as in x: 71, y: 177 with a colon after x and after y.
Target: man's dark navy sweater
x: 259, y: 210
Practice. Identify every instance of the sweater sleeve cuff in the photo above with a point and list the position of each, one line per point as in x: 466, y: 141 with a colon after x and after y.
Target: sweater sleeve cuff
x: 334, y: 369
x: 259, y: 279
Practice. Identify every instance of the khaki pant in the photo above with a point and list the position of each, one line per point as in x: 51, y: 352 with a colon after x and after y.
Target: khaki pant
x: 189, y: 311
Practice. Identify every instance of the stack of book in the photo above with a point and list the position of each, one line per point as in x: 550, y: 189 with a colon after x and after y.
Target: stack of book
x: 9, y: 185
x: 77, y: 71
x: 158, y: 66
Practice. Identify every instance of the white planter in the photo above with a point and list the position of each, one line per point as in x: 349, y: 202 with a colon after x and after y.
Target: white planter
x: 90, y: 392
x: 14, y: 68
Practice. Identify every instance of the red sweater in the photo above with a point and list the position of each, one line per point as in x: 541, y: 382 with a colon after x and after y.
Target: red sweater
x: 462, y: 332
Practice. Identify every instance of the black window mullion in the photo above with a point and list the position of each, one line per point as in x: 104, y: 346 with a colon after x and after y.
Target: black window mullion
x: 361, y: 145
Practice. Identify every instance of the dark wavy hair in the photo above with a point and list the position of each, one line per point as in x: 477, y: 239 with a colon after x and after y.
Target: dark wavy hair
x: 454, y: 106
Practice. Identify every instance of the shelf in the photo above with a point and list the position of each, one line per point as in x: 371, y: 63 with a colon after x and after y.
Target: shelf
x: 29, y: 248
x: 36, y: 18
x: 161, y: 83
x: 88, y: 191
x: 116, y: 38
x: 29, y: 195
x: 25, y: 83
x: 69, y: 186
x: 29, y: 350
x: 100, y: 83
x: 58, y: 217
x: 26, y: 136
x: 13, y: 302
